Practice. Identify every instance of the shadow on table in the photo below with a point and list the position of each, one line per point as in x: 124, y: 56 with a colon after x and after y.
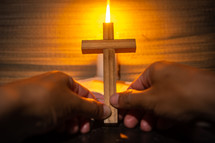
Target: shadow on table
x: 119, y: 133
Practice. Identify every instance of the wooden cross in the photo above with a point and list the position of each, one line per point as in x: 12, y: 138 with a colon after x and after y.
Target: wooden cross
x: 108, y: 46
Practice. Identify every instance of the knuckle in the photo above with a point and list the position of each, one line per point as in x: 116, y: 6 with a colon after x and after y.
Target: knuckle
x: 60, y: 76
x: 159, y: 69
x: 58, y: 73
x: 157, y: 64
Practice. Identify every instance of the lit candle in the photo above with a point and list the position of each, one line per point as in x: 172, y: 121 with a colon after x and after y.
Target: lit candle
x: 108, y: 34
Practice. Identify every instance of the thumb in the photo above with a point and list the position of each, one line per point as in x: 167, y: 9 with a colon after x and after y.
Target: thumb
x: 93, y: 109
x: 133, y: 99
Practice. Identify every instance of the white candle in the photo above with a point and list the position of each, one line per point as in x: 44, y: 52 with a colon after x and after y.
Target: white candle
x: 108, y: 34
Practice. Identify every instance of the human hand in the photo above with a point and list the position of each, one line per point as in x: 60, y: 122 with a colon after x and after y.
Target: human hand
x: 50, y: 100
x: 166, y: 92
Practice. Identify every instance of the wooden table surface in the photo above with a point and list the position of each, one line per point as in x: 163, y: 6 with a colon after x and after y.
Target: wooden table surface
x: 44, y: 35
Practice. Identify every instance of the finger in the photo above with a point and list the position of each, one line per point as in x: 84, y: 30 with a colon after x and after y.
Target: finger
x: 133, y: 99
x: 84, y: 125
x: 73, y: 125
x: 85, y: 128
x: 147, y: 122
x: 91, y: 108
x: 145, y: 126
x: 132, y: 118
x: 79, y: 89
x: 142, y: 81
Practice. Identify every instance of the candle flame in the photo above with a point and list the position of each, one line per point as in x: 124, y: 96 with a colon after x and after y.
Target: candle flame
x: 108, y: 12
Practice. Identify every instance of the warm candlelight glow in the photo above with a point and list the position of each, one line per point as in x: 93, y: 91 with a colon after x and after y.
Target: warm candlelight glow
x: 128, y: 22
x: 108, y: 12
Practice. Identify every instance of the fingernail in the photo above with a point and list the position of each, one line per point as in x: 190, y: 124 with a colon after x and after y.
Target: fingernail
x: 106, y: 111
x: 114, y: 100
x: 85, y: 128
x: 145, y: 126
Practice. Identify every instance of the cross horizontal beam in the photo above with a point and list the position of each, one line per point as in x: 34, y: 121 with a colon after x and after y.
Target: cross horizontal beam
x: 119, y: 45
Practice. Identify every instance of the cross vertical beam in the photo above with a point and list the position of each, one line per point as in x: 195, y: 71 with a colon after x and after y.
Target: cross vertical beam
x: 109, y: 46
x: 109, y: 71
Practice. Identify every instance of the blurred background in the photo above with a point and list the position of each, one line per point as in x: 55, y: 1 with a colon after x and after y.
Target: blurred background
x: 37, y: 36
